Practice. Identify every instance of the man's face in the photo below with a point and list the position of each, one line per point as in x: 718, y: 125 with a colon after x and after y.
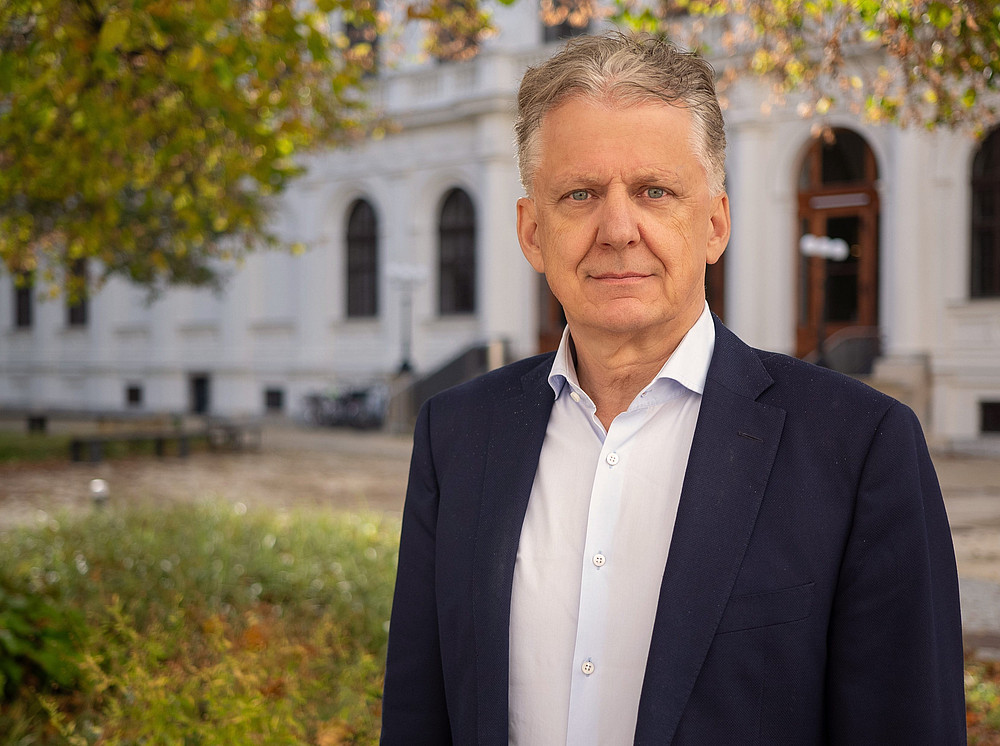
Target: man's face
x: 621, y: 219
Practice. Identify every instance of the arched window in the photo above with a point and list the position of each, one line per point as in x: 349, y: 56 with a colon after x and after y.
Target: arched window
x: 985, y: 265
x: 362, y: 261
x: 457, y: 255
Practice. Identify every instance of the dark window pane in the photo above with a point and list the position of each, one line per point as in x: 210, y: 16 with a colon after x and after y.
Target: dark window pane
x: 842, y: 276
x: 200, y: 393
x: 843, y: 158
x: 457, y: 255
x: 23, y: 303
x: 274, y: 400
x: 989, y: 417
x: 362, y: 261
x: 984, y: 279
x: 984, y: 203
x: 987, y: 162
x: 77, y: 310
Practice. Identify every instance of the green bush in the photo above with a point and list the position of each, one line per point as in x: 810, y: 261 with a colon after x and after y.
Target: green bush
x: 210, y: 625
x: 38, y: 642
x: 982, y: 702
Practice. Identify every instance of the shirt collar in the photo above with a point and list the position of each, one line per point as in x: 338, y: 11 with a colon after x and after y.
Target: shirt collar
x: 688, y: 365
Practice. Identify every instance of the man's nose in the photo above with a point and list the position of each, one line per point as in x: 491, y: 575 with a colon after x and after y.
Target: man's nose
x: 619, y: 225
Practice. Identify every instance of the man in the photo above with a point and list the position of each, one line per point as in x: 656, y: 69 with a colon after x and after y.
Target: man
x: 660, y: 535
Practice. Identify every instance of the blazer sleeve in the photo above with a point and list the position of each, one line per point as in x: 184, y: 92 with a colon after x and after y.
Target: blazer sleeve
x: 895, y: 670
x: 414, y: 710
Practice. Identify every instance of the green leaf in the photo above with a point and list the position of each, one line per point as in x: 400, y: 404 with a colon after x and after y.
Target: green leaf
x: 113, y: 32
x: 940, y: 14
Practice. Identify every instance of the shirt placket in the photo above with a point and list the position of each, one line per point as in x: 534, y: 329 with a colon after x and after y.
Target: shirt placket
x: 595, y: 616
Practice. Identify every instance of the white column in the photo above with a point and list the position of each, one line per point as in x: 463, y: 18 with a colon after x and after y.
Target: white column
x: 506, y: 283
x: 905, y: 311
x: 760, y: 271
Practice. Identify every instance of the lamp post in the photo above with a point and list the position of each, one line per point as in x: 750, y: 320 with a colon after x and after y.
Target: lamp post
x: 406, y: 277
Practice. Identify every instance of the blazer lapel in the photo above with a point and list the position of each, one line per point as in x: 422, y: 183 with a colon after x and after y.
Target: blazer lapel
x: 517, y: 431
x: 734, y: 446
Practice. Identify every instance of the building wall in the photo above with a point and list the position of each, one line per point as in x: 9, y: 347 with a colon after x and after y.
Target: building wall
x: 282, y: 323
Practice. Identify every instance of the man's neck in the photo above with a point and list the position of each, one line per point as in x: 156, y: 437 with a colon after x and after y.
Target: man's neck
x: 614, y: 369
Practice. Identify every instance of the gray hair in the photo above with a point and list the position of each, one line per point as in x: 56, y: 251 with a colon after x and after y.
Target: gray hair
x: 623, y: 69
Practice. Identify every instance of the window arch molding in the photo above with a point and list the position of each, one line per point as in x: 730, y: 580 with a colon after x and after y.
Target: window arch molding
x: 456, y: 259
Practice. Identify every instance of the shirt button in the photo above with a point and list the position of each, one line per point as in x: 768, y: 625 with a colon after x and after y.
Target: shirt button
x: 612, y: 458
x: 600, y: 559
x: 587, y: 668
x: 574, y: 396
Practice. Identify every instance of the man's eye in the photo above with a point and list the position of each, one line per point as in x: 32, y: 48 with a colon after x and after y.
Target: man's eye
x: 579, y: 195
x: 656, y: 193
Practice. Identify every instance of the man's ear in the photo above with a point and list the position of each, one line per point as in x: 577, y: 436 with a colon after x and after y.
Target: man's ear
x: 719, y: 228
x: 527, y: 234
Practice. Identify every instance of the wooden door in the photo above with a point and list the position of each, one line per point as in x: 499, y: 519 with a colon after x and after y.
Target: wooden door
x: 838, y: 200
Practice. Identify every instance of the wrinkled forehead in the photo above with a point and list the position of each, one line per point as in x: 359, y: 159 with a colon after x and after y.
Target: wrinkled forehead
x: 593, y: 107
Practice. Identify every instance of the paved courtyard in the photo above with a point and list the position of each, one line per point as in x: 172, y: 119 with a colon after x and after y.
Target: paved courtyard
x: 346, y: 469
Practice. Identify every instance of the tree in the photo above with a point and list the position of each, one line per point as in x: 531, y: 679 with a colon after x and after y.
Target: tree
x: 150, y: 135
x: 458, y: 27
x: 925, y: 62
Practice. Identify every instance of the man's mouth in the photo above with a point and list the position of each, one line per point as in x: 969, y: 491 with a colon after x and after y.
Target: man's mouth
x: 620, y: 276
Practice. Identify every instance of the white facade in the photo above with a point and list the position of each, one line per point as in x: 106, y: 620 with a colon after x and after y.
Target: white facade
x: 941, y: 348
x: 282, y: 324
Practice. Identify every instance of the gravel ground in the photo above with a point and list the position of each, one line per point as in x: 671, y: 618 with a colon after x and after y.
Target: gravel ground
x: 342, y: 469
x: 345, y: 469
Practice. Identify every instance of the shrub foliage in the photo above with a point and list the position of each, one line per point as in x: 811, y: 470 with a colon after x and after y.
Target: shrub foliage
x: 209, y: 625
x: 197, y: 625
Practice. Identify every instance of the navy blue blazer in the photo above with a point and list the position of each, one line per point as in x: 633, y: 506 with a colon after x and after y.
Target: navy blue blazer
x: 810, y: 595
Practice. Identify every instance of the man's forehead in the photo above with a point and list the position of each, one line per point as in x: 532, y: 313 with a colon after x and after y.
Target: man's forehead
x: 586, y: 146
x: 587, y: 116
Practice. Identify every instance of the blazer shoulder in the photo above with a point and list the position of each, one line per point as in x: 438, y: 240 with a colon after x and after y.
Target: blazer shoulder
x: 799, y: 384
x: 787, y: 382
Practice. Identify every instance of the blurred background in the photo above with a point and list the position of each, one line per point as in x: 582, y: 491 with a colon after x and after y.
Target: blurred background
x: 243, y: 240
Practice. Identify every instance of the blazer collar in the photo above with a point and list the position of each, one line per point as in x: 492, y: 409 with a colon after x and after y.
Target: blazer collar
x: 716, y: 516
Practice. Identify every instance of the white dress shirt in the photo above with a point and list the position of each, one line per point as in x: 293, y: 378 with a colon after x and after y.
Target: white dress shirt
x: 592, y: 551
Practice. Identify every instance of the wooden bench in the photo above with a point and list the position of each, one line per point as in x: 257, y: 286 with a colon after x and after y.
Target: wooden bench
x: 91, y: 447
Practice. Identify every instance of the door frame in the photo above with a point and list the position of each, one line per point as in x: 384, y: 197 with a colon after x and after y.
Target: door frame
x: 818, y: 202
